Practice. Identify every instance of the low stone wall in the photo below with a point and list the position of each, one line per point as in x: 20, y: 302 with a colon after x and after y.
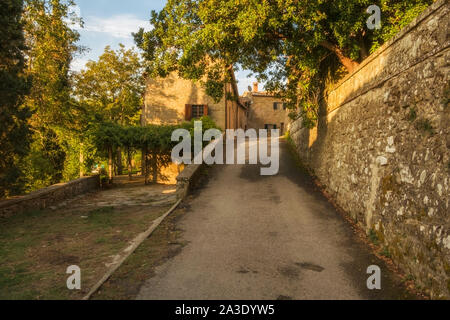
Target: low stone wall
x: 47, y: 197
x: 381, y: 148
x: 186, y: 179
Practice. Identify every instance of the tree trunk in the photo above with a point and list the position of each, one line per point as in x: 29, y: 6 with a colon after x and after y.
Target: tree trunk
x: 81, y: 161
x: 144, y: 164
x: 364, y: 53
x: 155, y: 167
x: 119, y: 162
x: 364, y: 48
x: 348, y: 63
x: 110, y: 165
x: 130, y: 167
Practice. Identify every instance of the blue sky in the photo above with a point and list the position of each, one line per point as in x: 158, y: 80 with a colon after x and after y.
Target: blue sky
x: 110, y: 22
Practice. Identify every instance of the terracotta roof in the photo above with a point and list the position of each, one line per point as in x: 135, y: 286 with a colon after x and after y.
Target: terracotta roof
x: 262, y: 94
x: 258, y: 94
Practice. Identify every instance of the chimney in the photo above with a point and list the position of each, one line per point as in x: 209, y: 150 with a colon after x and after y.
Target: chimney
x: 255, y: 86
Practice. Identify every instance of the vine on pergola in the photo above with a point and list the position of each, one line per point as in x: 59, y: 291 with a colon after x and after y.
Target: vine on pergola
x: 155, y: 142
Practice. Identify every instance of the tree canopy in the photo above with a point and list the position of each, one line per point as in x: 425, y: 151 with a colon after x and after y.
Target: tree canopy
x: 14, y: 85
x: 292, y: 45
x: 113, y: 86
x: 56, y: 124
x: 51, y: 47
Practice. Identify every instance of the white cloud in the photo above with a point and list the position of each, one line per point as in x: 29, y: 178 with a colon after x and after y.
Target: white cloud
x: 245, y: 82
x: 78, y: 64
x: 118, y: 26
x: 74, y: 13
x: 75, y: 9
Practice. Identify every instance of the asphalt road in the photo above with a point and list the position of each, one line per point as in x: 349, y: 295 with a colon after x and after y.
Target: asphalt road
x: 266, y: 237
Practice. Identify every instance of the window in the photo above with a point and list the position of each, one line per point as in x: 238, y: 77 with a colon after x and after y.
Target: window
x: 279, y: 105
x: 195, y: 111
x: 284, y: 106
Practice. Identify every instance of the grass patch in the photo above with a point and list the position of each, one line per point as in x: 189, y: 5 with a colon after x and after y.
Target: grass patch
x: 385, y: 252
x: 373, y: 237
x: 106, y: 216
x: 36, y: 247
x: 163, y: 244
x: 410, y: 277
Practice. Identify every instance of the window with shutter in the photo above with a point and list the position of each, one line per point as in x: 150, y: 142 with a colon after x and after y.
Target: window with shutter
x: 197, y: 111
x: 188, y: 112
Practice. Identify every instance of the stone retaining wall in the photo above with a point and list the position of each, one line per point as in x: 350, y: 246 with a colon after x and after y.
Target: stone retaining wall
x: 187, y: 178
x: 47, y: 197
x: 381, y: 148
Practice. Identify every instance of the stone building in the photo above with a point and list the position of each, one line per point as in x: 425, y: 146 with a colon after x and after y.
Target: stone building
x: 173, y: 100
x: 265, y: 110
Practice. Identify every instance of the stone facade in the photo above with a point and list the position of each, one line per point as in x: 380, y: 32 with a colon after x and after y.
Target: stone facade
x: 47, y: 197
x: 381, y: 148
x: 262, y: 112
x: 166, y: 100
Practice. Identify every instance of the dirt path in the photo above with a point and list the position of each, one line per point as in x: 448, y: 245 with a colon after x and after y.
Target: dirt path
x: 255, y: 237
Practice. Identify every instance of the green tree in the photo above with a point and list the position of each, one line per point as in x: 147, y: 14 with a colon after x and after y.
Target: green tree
x: 292, y: 45
x: 112, y: 87
x: 52, y: 43
x: 51, y: 40
x: 14, y: 131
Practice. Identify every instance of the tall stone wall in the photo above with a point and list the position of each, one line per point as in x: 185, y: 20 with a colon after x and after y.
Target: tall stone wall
x: 381, y: 148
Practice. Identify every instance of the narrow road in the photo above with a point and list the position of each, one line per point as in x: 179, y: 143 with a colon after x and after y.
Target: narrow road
x: 273, y: 237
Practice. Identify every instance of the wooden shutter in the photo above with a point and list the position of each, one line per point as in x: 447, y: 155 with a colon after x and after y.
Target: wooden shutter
x: 188, y: 112
x: 205, y: 110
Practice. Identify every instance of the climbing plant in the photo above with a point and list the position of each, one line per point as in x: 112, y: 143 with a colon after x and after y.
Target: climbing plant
x: 155, y: 142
